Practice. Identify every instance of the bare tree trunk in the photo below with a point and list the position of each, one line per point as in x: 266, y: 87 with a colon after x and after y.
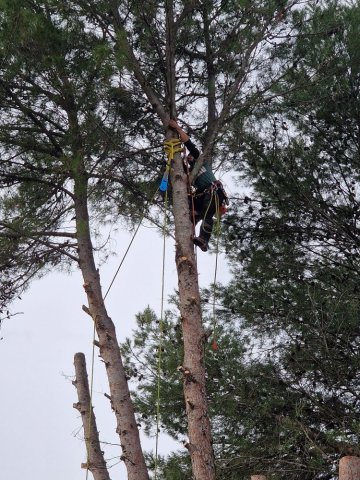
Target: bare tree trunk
x: 127, y: 429
x: 95, y: 458
x: 199, y: 429
x: 109, y: 347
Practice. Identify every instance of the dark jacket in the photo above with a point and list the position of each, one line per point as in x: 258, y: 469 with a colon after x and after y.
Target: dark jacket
x: 205, y: 177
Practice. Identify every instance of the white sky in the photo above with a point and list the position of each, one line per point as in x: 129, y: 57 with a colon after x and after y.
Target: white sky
x: 37, y: 421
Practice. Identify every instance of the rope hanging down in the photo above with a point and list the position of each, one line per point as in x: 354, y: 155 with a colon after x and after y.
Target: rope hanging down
x: 161, y: 331
x: 214, y: 344
x: 87, y: 438
x: 94, y: 332
x: 171, y: 147
x: 214, y: 197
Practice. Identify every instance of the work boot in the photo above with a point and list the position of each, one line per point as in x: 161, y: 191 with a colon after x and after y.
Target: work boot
x: 201, y: 243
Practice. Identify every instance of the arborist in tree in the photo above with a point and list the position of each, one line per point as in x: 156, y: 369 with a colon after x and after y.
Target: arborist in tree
x: 209, y: 198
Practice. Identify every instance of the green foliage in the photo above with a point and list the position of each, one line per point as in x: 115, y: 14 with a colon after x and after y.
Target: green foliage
x: 150, y: 340
x: 64, y: 106
x: 293, y: 241
x: 72, y: 110
x: 259, y: 422
x: 172, y: 467
x: 282, y: 388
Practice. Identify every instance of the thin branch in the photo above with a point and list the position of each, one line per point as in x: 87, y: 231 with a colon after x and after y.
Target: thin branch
x: 133, y: 63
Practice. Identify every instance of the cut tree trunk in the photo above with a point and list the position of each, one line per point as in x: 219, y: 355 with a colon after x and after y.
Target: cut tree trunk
x: 95, y: 457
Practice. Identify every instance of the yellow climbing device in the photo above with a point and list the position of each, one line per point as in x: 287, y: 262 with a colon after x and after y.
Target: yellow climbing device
x: 171, y: 147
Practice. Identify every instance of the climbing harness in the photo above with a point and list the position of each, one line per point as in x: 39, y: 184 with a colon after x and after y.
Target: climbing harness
x: 219, y: 196
x: 216, y: 187
x: 171, y: 147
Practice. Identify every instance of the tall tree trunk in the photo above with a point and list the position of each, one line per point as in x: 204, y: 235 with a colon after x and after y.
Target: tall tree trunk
x: 109, y: 348
x: 199, y: 429
x: 95, y: 458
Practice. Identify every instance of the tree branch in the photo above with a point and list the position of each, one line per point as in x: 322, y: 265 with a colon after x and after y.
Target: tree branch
x: 124, y: 46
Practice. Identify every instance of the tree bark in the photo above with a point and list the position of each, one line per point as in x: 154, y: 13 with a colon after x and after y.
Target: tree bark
x: 95, y: 458
x: 199, y: 428
x: 193, y: 368
x: 109, y: 348
x: 349, y: 468
x: 127, y: 429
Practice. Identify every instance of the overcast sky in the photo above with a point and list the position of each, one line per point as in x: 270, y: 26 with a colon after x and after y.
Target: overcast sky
x: 40, y: 431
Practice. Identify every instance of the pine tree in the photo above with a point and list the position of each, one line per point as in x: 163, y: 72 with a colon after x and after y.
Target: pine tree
x: 59, y: 118
x: 293, y: 246
x: 229, y: 53
x: 294, y: 238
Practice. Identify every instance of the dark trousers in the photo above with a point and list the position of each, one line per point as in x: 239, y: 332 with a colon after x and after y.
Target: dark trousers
x: 205, y: 207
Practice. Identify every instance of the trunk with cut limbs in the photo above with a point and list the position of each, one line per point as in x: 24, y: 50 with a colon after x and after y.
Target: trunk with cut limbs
x: 109, y: 348
x: 95, y: 457
x: 199, y: 429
